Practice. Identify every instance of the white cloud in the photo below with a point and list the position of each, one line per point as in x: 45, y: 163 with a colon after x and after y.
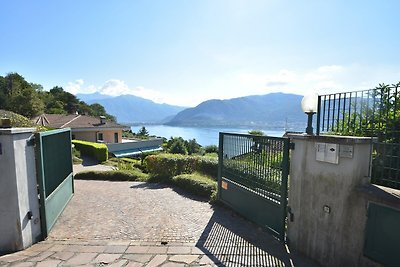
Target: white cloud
x: 74, y: 87
x: 115, y: 87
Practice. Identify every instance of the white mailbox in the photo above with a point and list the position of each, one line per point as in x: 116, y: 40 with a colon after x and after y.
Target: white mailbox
x: 327, y: 152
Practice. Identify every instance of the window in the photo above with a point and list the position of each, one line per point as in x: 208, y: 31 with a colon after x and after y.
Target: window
x: 100, y: 137
x: 115, y: 137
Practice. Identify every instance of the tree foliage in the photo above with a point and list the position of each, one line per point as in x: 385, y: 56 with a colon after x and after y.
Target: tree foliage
x: 256, y: 132
x: 178, y: 145
x: 143, y: 132
x: 29, y: 99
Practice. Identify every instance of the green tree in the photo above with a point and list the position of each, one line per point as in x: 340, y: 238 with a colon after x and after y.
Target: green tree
x: 143, y: 132
x: 256, y: 132
x: 178, y: 147
x: 19, y: 96
x: 192, y: 146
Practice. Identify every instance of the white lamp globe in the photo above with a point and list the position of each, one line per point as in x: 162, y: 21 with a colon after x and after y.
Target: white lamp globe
x: 309, y: 103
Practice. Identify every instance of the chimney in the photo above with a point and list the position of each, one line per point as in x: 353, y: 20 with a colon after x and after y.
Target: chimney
x: 102, y: 120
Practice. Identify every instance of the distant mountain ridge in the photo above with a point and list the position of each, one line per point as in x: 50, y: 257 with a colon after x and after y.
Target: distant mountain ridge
x: 132, y: 109
x: 275, y: 110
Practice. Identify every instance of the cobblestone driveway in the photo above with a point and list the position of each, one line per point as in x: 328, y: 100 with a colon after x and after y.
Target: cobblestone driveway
x: 149, y: 225
x: 131, y: 211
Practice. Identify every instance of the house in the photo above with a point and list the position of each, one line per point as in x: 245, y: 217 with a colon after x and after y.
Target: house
x: 100, y: 130
x: 87, y: 128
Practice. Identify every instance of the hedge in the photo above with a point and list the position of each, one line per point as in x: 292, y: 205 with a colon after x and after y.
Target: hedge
x: 132, y: 175
x: 96, y: 150
x: 196, y: 183
x: 169, y: 165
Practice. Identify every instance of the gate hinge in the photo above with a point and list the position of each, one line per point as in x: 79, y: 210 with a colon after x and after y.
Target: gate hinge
x: 31, y: 140
x: 291, y: 145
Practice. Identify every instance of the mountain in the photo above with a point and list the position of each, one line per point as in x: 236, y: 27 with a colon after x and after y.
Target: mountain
x: 132, y: 109
x: 271, y: 110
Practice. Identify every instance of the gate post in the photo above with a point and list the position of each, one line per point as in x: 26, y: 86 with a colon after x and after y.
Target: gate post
x: 19, y: 209
x: 328, y: 212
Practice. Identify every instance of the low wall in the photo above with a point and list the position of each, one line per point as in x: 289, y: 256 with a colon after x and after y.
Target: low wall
x: 329, y: 193
x: 134, y: 145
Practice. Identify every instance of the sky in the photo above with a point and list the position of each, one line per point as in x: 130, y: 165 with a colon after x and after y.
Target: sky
x: 183, y: 52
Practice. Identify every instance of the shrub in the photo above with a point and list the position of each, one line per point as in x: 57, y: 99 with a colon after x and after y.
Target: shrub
x: 208, y: 166
x: 211, y: 149
x: 168, y: 165
x: 120, y: 175
x: 178, y: 147
x: 96, y: 150
x: 196, y: 183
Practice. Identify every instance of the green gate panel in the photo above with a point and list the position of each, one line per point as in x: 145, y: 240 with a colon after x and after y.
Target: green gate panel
x: 383, y: 234
x: 253, y: 176
x: 57, y: 201
x: 54, y: 175
x: 254, y: 207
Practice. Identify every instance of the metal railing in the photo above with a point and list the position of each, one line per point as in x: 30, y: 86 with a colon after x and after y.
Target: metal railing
x: 374, y: 113
x: 257, y: 162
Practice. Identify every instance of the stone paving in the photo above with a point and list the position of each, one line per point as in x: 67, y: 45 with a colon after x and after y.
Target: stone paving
x: 140, y: 224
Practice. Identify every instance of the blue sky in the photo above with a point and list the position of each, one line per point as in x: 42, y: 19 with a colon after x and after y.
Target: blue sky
x: 184, y: 52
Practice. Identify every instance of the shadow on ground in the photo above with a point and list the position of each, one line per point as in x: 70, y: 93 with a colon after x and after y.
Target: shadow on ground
x: 162, y: 185
x: 88, y: 161
x: 233, y: 241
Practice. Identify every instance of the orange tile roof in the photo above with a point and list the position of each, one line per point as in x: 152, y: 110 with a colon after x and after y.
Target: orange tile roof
x: 73, y: 121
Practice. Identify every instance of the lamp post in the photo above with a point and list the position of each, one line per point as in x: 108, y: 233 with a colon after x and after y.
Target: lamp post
x: 309, y: 104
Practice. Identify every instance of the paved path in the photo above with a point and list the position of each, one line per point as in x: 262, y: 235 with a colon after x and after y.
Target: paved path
x: 139, y: 224
x: 89, y: 164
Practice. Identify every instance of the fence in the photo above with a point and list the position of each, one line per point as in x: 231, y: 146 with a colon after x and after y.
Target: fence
x: 374, y: 113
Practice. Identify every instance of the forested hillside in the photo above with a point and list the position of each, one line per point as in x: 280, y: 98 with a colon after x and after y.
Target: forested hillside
x: 29, y: 99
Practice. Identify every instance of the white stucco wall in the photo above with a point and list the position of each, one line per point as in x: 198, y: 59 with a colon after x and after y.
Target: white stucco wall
x: 18, y: 191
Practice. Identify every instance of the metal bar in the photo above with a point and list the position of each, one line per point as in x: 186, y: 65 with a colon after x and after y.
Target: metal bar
x: 220, y: 162
x: 338, y: 115
x: 344, y: 111
x: 284, y: 185
x: 318, y: 115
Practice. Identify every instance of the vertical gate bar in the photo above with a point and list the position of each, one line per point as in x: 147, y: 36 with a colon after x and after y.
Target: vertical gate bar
x: 41, y: 182
x: 284, y: 185
x: 344, y: 111
x: 318, y: 115
x: 220, y: 162
x: 338, y: 114
x: 349, y: 114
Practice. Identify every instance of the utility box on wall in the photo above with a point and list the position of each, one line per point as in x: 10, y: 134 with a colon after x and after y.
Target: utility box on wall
x: 19, y: 209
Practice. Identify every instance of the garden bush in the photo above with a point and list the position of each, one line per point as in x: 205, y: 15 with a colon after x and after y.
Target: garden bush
x: 120, y: 175
x: 196, y: 183
x: 96, y: 150
x: 169, y: 165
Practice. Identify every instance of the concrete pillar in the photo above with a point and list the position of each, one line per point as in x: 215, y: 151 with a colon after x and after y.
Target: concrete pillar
x: 19, y: 208
x: 329, y: 216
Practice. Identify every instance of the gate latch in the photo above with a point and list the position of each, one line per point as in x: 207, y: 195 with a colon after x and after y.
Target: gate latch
x: 291, y: 215
x: 291, y: 145
x: 31, y: 140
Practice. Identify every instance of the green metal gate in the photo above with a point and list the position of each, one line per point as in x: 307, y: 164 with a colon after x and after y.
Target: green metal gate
x: 253, y: 178
x: 54, y: 173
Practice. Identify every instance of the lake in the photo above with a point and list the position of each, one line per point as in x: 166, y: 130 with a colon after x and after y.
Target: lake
x: 203, y: 135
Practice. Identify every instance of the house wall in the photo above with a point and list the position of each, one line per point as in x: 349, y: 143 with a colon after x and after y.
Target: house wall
x: 327, y: 202
x: 91, y: 136
x: 18, y: 191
